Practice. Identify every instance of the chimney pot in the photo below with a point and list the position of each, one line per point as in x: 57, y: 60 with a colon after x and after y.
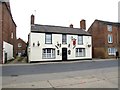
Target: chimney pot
x: 83, y: 24
x: 32, y: 19
x: 71, y: 25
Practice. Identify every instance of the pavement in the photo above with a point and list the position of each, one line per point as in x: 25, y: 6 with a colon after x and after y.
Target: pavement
x: 23, y: 61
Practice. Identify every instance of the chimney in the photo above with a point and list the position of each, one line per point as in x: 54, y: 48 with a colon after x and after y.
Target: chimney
x: 83, y: 24
x: 32, y: 19
x: 71, y: 25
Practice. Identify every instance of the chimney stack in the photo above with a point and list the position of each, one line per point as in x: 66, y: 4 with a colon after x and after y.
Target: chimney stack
x: 32, y: 19
x: 71, y: 25
x: 83, y: 24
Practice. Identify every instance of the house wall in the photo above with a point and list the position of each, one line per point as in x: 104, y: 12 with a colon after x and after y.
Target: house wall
x: 100, y: 43
x: 8, y: 27
x: 35, y: 53
x: 21, y: 49
x: 119, y: 40
x: 8, y: 48
x: 1, y: 33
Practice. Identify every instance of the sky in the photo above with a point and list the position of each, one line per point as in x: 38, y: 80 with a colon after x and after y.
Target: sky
x: 61, y: 13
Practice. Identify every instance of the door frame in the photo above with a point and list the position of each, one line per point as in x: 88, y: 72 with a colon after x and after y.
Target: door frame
x: 64, y: 55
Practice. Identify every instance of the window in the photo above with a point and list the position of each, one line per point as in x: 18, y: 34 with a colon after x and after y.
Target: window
x: 48, y: 38
x: 64, y: 39
x: 109, y: 27
x: 80, y: 40
x: 110, y: 38
x: 12, y: 35
x: 80, y: 52
x: 48, y: 53
x: 19, y: 45
x: 112, y: 51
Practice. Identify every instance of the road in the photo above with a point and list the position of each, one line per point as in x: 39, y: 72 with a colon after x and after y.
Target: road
x: 90, y: 70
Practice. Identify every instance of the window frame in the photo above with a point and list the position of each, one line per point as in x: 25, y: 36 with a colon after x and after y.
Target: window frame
x: 112, y: 51
x: 110, y: 38
x: 47, y: 38
x: 19, y: 45
x: 109, y: 28
x: 80, y: 42
x: 64, y: 39
x: 47, y: 54
x: 80, y: 53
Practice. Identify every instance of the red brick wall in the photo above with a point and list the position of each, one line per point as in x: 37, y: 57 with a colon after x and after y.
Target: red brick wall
x: 0, y: 32
x: 119, y: 39
x: 20, y: 49
x: 100, y: 33
x: 8, y: 27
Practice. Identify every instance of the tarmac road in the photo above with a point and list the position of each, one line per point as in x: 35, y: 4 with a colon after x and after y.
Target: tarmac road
x: 88, y: 74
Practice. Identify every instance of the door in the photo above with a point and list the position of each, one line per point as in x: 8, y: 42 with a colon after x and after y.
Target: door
x: 64, y: 54
x: 5, y: 57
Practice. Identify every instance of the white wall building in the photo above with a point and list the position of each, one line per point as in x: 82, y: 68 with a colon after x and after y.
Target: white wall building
x: 48, y: 43
x: 7, y: 51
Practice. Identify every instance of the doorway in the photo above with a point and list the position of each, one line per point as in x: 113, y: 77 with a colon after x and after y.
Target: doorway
x: 64, y: 54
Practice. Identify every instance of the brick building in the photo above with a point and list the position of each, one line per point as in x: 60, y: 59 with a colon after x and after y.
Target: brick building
x: 7, y: 33
x: 21, y: 47
x: 105, y: 38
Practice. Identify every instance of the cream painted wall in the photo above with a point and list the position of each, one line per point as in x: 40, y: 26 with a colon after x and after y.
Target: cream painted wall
x: 7, y: 48
x: 35, y: 53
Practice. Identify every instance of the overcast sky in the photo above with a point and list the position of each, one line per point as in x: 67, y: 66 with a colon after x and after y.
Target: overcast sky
x: 61, y: 13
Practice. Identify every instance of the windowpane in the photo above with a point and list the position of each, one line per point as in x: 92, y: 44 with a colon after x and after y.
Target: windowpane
x: 110, y: 38
x: 48, y: 53
x: 48, y: 38
x: 64, y: 39
x: 112, y: 51
x: 80, y: 52
x: 19, y: 45
x: 109, y: 27
x: 80, y: 40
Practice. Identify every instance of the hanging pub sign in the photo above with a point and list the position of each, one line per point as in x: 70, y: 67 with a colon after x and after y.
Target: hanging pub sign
x: 74, y: 42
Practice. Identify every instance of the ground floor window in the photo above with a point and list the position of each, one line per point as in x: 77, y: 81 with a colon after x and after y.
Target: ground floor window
x: 112, y: 51
x: 80, y: 52
x: 48, y: 53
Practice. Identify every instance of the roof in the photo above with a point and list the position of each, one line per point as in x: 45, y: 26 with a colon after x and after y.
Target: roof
x: 58, y: 29
x: 108, y: 22
x: 104, y: 22
x: 19, y: 39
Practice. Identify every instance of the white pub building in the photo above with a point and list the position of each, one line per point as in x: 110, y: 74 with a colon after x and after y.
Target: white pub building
x: 51, y: 43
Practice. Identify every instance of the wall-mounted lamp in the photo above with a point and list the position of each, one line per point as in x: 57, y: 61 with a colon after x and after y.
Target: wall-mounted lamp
x: 89, y: 45
x: 33, y: 44
x: 38, y: 43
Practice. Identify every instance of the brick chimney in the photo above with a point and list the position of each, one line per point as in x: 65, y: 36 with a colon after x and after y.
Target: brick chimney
x: 83, y: 24
x: 32, y: 19
x: 71, y: 25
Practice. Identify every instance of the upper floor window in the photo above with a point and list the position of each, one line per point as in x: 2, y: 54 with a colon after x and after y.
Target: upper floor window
x: 48, y: 38
x: 80, y: 40
x: 109, y: 27
x: 64, y: 39
x: 110, y: 38
x: 19, y: 45
x: 12, y: 35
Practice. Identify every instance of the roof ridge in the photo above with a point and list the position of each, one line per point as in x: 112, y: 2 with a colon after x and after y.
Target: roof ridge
x: 56, y: 26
